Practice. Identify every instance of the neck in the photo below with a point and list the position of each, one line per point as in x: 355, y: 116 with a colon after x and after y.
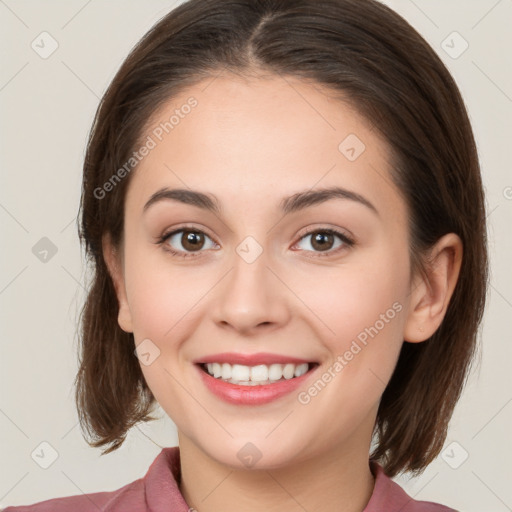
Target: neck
x: 338, y: 480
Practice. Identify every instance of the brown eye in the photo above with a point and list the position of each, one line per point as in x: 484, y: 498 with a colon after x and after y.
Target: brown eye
x: 192, y: 240
x: 324, y: 241
x: 186, y: 242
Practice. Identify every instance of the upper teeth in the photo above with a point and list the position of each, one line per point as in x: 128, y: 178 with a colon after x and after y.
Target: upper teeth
x: 259, y: 373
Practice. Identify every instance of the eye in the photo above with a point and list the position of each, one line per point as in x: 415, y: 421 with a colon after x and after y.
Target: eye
x: 324, y: 241
x: 189, y: 242
x: 185, y: 242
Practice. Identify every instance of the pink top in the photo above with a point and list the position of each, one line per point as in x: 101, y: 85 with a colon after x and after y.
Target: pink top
x: 158, y: 491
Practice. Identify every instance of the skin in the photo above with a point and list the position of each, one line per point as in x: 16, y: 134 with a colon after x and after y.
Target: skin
x: 251, y: 143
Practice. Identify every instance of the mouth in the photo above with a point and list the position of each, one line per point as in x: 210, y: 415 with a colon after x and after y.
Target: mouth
x: 257, y: 375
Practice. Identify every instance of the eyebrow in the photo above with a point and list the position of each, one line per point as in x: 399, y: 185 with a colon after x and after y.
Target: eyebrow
x: 293, y: 203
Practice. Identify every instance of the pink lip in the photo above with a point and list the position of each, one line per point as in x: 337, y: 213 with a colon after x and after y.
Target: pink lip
x: 251, y: 395
x: 250, y: 359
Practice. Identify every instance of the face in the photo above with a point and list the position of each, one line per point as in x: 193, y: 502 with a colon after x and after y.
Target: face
x: 325, y: 280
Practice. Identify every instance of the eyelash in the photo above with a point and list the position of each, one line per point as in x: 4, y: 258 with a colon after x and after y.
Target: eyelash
x: 347, y: 241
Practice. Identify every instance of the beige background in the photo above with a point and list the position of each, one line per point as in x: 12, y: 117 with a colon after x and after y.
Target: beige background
x: 47, y: 107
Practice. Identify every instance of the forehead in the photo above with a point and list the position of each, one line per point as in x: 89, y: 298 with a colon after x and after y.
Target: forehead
x: 261, y: 139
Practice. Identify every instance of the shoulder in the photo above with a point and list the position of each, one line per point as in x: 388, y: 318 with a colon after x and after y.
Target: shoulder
x: 132, y: 496
x: 157, y: 490
x: 388, y: 495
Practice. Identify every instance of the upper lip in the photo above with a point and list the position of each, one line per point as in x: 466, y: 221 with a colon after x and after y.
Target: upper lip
x: 250, y: 359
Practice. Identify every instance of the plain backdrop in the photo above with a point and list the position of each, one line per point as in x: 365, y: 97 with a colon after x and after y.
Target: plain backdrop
x: 47, y: 106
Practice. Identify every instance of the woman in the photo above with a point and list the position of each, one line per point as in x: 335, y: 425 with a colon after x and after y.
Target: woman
x: 283, y: 209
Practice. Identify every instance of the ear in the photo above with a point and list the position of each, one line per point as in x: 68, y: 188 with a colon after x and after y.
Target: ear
x: 431, y: 294
x: 114, y: 263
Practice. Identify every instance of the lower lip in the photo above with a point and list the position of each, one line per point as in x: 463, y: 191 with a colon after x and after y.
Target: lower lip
x: 252, y: 395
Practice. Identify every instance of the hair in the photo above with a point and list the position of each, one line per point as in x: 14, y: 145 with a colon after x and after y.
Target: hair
x: 377, y: 63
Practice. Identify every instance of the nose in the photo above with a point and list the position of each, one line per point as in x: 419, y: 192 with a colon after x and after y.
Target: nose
x: 251, y: 298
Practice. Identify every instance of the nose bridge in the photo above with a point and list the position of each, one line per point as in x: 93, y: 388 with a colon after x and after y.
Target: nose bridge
x: 250, y: 295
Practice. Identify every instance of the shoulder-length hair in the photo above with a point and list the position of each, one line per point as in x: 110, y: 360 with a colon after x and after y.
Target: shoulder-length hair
x: 374, y: 59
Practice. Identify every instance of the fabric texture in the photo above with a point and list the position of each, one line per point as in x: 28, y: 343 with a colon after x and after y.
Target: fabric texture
x: 158, y: 491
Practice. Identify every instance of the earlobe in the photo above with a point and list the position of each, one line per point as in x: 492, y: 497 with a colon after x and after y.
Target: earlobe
x: 114, y: 266
x: 431, y: 294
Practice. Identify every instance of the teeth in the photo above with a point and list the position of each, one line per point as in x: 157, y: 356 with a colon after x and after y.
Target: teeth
x: 275, y: 371
x: 288, y: 371
x: 254, y: 375
x: 258, y: 373
x: 226, y: 371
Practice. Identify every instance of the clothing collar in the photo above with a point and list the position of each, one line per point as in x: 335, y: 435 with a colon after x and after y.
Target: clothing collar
x: 162, y: 491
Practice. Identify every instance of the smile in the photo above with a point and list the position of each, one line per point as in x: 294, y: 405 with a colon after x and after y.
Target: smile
x: 270, y: 383
x: 258, y: 375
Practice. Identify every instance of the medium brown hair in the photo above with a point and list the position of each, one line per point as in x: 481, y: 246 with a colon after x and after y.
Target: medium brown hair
x: 369, y: 55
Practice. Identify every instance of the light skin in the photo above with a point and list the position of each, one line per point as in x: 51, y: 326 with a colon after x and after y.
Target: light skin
x: 251, y: 143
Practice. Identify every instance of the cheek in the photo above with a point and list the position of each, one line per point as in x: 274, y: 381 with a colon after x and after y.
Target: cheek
x: 349, y: 299
x: 364, y: 312
x: 159, y: 293
x: 363, y: 307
